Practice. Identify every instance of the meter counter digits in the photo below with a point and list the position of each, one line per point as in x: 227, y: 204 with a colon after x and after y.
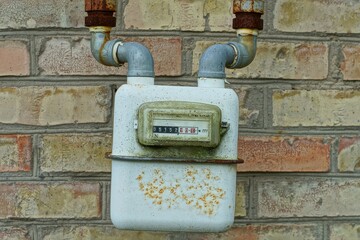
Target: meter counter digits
x: 179, y: 124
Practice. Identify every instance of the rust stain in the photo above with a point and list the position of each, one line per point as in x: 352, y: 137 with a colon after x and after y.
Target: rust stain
x: 24, y: 148
x: 100, y: 5
x: 347, y: 94
x: 285, y: 94
x: 197, y: 189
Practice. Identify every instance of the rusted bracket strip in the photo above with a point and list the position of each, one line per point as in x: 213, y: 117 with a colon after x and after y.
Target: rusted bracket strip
x: 174, y: 160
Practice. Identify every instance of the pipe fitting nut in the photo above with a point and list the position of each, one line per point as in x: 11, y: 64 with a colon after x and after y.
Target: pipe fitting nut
x: 248, y: 14
x: 100, y: 13
x: 100, y: 19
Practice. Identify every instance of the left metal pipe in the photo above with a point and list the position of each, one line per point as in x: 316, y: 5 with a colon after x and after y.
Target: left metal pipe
x: 109, y: 52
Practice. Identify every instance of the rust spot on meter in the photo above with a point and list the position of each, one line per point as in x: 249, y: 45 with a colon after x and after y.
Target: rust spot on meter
x: 195, y: 188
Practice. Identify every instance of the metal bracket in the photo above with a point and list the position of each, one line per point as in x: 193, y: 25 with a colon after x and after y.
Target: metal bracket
x: 174, y: 160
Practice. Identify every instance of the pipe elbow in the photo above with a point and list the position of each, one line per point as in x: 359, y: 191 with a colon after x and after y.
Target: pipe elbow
x: 232, y: 55
x: 116, y: 53
x: 139, y: 59
x: 214, y: 60
x: 102, y: 47
x: 245, y: 48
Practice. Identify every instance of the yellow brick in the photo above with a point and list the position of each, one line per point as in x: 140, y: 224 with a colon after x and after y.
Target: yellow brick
x: 179, y: 15
x: 75, y: 153
x: 321, y: 16
x: 54, y: 105
x: 316, y: 108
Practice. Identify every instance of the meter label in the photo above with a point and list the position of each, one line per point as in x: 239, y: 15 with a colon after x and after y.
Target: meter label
x: 177, y: 130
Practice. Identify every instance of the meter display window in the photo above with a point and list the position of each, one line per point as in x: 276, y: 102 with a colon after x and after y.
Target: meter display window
x: 179, y: 124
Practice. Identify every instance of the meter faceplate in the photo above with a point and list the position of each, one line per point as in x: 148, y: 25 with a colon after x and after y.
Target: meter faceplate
x: 176, y: 123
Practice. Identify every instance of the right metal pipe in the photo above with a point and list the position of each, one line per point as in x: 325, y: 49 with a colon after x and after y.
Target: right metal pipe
x: 237, y: 54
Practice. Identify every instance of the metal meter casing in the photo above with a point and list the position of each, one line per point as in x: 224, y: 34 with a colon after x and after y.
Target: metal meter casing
x: 179, y: 123
x: 159, y: 195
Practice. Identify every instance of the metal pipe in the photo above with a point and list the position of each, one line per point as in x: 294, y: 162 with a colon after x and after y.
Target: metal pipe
x: 234, y: 54
x: 214, y: 60
x: 102, y: 47
x: 139, y: 58
x: 115, y: 52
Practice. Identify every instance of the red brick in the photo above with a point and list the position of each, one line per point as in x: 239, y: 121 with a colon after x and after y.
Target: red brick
x: 350, y: 66
x: 284, y: 154
x: 14, y: 233
x: 14, y: 58
x: 50, y: 200
x: 72, y: 56
x: 15, y: 153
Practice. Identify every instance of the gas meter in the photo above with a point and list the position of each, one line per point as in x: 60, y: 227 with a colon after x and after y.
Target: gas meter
x: 174, y: 158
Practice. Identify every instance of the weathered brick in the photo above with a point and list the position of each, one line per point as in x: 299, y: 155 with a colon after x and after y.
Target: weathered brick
x: 284, y: 154
x: 316, y: 108
x: 308, y: 197
x: 320, y: 16
x: 75, y: 153
x: 17, y: 57
x: 349, y: 154
x: 54, y: 105
x: 350, y: 66
x: 214, y: 15
x: 72, y: 56
x: 50, y: 200
x: 15, y: 153
x: 41, y: 13
x: 278, y: 60
x: 240, y: 205
x: 250, y: 106
x: 14, y: 234
x: 344, y: 231
x: 265, y: 232
x: 98, y: 233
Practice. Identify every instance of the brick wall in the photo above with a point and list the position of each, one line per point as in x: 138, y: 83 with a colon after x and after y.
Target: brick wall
x: 299, y: 124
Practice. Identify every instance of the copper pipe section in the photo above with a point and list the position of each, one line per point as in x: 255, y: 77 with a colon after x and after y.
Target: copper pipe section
x: 248, y: 14
x: 100, y: 13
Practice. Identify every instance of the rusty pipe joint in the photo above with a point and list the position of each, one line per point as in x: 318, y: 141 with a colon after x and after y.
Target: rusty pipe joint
x: 100, y: 13
x: 248, y: 14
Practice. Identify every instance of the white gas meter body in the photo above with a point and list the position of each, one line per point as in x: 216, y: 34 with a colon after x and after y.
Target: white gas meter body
x: 172, y: 158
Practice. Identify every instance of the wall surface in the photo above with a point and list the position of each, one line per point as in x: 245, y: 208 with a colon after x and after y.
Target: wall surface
x: 300, y: 116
